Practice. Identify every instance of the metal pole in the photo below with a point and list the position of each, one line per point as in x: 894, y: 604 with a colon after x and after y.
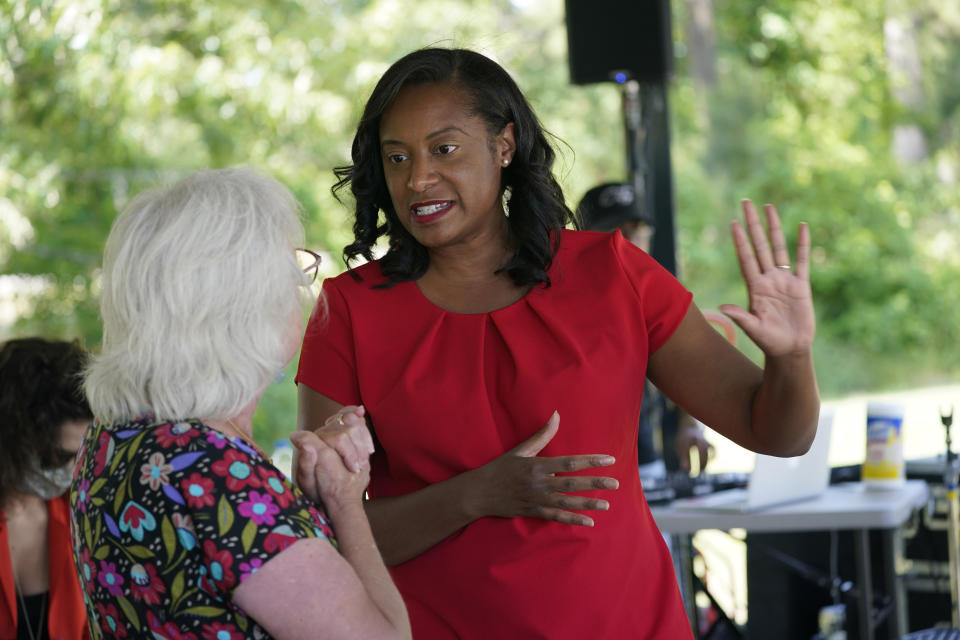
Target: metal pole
x: 953, y: 539
x: 647, y: 127
x: 682, y: 547
x: 635, y: 141
x: 893, y: 551
x: 861, y: 544
x: 656, y: 124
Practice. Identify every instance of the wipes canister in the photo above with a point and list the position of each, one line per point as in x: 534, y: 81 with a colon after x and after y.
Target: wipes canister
x: 883, y: 466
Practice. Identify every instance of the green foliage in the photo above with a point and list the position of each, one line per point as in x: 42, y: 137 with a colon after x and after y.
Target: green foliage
x: 102, y: 98
x: 802, y: 116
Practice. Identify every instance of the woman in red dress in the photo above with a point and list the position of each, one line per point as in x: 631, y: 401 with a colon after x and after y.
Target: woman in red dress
x: 501, y: 360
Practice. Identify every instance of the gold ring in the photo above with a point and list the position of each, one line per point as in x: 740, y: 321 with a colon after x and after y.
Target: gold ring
x: 340, y: 419
x: 784, y: 266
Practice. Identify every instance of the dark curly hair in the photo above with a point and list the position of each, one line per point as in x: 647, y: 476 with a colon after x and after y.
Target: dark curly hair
x: 40, y: 389
x: 535, y: 200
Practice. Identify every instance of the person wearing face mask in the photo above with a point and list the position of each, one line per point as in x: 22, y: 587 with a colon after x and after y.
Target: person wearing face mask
x: 43, y: 416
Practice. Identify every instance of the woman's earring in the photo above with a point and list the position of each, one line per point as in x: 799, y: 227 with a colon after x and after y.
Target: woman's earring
x: 506, y: 162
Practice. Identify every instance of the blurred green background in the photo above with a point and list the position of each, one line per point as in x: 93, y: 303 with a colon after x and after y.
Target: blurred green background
x: 845, y: 113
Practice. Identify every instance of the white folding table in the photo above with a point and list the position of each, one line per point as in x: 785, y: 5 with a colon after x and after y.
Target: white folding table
x: 847, y: 506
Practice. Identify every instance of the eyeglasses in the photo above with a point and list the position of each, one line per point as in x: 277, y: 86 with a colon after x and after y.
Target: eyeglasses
x: 309, y: 262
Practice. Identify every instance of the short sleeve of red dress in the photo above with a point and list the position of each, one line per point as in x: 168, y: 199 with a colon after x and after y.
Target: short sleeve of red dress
x: 663, y: 300
x: 327, y: 359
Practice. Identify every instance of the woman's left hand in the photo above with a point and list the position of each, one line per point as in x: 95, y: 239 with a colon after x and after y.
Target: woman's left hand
x: 780, y: 319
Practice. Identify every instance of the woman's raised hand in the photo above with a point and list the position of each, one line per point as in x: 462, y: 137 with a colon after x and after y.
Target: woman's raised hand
x: 519, y: 483
x: 780, y: 319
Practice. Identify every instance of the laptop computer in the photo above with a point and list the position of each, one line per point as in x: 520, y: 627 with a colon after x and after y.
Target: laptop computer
x: 775, y: 481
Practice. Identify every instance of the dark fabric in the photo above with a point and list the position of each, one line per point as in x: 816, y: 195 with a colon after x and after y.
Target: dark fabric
x: 34, y: 613
x: 170, y: 518
x: 651, y: 418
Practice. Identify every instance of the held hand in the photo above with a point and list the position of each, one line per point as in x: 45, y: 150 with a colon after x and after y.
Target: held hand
x: 346, y: 432
x: 519, y: 483
x: 322, y: 475
x: 780, y: 319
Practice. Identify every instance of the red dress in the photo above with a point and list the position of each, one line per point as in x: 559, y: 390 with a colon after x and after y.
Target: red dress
x: 449, y: 392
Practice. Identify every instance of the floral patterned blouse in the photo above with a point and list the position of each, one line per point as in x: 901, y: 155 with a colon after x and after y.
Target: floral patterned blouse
x: 168, y: 518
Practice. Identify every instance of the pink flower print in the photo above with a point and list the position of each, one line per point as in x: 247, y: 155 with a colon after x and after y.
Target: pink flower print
x: 110, y: 621
x: 259, y: 508
x: 156, y: 472
x: 104, y: 453
x: 198, y: 491
x: 109, y: 579
x: 221, y: 631
x: 247, y: 569
x: 217, y: 439
x: 88, y: 571
x: 235, y: 467
x: 272, y: 483
x: 175, y: 434
x: 168, y: 631
x: 216, y: 569
x: 83, y: 495
x: 145, y: 585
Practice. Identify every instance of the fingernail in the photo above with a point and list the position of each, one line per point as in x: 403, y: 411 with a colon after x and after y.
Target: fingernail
x: 588, y: 523
x: 607, y: 460
x: 604, y: 505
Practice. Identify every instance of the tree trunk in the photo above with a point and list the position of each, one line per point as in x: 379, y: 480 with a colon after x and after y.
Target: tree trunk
x: 905, y: 70
x: 701, y: 42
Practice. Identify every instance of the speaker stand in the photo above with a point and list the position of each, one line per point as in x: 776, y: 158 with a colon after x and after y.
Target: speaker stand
x: 647, y: 128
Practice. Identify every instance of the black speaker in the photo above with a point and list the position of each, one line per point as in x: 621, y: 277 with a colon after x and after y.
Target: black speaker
x: 619, y: 40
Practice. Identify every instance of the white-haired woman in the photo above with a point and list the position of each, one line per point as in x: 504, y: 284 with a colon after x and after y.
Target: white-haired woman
x: 182, y: 527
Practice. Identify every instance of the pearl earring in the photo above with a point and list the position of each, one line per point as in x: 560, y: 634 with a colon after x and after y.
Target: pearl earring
x: 506, y: 161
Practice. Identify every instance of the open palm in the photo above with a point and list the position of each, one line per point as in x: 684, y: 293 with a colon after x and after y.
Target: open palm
x: 780, y: 319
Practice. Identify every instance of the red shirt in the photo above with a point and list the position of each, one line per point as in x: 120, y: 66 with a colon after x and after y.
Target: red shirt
x: 449, y: 392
